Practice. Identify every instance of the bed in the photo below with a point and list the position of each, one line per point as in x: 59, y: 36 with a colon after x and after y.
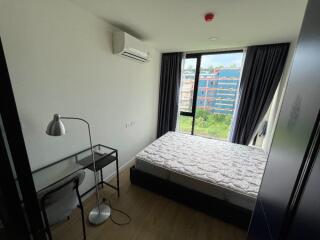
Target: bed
x: 203, y: 173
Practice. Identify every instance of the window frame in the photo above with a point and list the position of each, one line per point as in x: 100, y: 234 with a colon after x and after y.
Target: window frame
x: 198, y: 56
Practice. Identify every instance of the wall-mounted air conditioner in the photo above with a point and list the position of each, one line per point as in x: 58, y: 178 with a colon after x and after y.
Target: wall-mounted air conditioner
x: 130, y: 47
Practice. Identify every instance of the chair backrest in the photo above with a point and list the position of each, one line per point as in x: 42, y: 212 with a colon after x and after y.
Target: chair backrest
x: 61, y: 198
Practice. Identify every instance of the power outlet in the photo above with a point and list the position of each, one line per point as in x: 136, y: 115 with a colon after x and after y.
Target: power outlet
x: 130, y: 124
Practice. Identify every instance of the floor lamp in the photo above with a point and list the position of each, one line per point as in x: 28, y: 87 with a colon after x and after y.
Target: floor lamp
x: 101, y: 212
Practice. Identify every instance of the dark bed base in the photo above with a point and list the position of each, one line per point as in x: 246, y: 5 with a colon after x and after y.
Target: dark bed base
x: 212, y: 206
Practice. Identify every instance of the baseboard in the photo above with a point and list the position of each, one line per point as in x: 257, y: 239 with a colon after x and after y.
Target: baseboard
x: 122, y: 168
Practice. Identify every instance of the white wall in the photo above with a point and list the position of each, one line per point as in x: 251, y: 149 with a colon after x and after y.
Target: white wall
x: 60, y: 60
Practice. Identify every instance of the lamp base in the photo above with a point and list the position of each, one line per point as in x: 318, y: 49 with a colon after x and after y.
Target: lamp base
x: 97, y: 217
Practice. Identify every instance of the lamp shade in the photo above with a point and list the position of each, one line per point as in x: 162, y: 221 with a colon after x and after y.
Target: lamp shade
x: 56, y: 127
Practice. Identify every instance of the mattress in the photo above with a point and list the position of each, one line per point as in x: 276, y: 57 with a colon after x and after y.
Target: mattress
x: 224, y: 170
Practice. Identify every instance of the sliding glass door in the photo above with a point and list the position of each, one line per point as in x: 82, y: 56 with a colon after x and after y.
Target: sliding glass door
x: 209, y: 90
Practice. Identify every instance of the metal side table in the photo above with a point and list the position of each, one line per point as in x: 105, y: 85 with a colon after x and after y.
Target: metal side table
x: 109, y: 156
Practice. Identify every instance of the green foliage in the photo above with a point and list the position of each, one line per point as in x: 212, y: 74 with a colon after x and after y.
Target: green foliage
x: 207, y: 124
x: 202, y: 114
x: 185, y: 124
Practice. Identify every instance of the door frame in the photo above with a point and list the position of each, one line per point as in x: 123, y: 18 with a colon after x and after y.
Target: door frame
x: 14, y: 156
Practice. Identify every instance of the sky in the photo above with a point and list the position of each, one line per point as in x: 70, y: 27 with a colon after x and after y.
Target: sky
x: 216, y: 60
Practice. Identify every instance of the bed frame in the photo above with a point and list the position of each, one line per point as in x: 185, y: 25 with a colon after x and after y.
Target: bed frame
x: 212, y: 206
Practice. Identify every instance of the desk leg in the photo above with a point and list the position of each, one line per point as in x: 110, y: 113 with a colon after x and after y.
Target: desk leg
x: 101, y: 176
x: 118, y: 187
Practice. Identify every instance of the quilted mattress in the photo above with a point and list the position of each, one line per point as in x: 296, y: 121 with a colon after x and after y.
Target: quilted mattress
x: 224, y: 170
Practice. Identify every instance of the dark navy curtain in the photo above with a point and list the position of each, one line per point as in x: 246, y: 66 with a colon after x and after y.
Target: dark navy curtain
x: 169, y: 92
x: 261, y: 74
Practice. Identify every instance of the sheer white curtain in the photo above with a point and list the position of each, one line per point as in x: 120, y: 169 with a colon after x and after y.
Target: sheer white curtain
x: 234, y: 117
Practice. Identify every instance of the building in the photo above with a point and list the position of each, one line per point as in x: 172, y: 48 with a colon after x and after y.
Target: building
x: 217, y: 90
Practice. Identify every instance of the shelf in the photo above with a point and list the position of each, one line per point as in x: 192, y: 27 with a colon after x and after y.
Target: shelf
x: 101, y: 161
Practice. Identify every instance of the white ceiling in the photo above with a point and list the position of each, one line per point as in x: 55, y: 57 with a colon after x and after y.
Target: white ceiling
x: 178, y: 25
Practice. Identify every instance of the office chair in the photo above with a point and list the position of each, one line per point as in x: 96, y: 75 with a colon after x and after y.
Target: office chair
x: 58, y: 201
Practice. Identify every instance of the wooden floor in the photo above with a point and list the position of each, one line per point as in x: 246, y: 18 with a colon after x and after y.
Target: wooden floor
x: 153, y: 218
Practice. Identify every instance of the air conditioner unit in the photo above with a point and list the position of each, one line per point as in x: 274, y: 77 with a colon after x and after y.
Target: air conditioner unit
x: 129, y: 46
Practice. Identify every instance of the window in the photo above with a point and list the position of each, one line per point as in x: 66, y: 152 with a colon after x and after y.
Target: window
x: 209, y: 88
x: 187, y: 85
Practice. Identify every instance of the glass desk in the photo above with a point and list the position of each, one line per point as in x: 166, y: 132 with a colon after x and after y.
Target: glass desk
x: 57, y: 171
